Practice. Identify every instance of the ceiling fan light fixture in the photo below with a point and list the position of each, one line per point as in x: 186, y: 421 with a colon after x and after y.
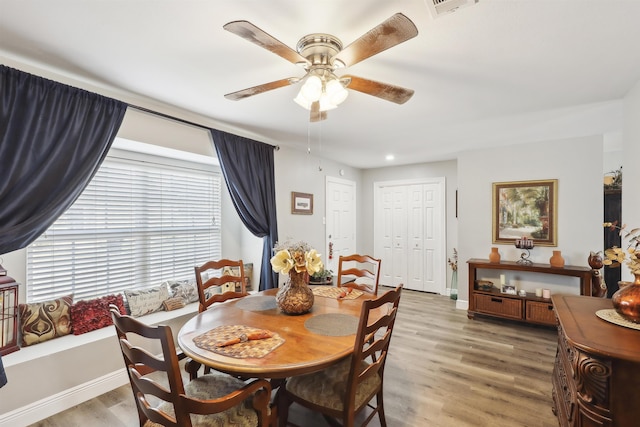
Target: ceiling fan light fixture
x: 326, y: 103
x: 336, y: 92
x: 311, y: 89
x: 338, y: 64
x: 321, y: 54
x: 302, y: 101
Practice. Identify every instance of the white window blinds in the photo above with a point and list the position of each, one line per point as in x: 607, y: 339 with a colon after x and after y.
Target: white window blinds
x: 136, y: 225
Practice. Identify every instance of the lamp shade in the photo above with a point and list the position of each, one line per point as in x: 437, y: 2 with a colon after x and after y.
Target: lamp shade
x: 312, y: 88
x: 329, y: 94
x: 336, y: 92
x: 302, y: 101
x: 325, y: 102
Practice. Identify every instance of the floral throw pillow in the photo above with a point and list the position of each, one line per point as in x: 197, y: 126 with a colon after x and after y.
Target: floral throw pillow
x: 89, y: 315
x: 146, y: 301
x: 185, y: 290
x: 45, y: 320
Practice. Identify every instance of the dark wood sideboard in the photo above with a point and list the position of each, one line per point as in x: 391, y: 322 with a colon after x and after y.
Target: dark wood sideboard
x: 529, y: 308
x: 596, y: 376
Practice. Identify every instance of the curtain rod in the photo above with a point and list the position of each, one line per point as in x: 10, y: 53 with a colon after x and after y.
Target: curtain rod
x: 177, y: 119
x: 167, y: 116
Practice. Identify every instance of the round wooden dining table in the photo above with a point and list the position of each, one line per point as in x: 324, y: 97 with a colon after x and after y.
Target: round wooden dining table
x: 301, y: 348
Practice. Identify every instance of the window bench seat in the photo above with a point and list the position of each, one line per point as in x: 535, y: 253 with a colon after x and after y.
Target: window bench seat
x: 71, y: 341
x: 49, y: 377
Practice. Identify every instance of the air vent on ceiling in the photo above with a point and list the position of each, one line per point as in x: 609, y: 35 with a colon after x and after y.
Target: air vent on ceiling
x: 441, y: 7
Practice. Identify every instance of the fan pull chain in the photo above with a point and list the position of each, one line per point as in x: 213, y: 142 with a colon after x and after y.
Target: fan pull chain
x: 319, y: 146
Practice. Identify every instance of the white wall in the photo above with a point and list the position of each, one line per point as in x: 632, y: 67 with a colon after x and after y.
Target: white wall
x: 306, y: 173
x: 575, y: 163
x: 146, y: 127
x: 631, y: 173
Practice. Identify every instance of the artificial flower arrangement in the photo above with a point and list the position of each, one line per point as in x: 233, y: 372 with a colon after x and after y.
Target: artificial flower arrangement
x: 296, y: 256
x: 453, y: 261
x: 615, y: 256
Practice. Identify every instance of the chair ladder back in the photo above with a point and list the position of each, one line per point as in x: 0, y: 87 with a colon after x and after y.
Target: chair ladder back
x: 226, y: 276
x: 140, y: 362
x: 366, y: 267
x: 372, y: 341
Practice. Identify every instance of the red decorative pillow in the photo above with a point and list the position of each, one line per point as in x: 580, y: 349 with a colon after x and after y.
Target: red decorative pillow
x: 89, y: 315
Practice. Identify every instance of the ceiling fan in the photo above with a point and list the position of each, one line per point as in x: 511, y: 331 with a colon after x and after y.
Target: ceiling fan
x: 321, y: 55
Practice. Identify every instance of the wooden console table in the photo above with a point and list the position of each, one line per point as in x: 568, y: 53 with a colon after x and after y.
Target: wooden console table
x: 596, y: 375
x: 529, y: 308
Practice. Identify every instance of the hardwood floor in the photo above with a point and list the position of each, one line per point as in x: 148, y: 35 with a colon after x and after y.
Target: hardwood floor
x: 443, y: 370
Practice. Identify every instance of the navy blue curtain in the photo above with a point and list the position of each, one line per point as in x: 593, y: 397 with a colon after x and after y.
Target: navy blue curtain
x: 248, y: 170
x: 53, y: 138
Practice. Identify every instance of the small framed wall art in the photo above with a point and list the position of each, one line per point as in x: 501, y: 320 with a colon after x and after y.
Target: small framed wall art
x: 525, y: 209
x: 301, y: 203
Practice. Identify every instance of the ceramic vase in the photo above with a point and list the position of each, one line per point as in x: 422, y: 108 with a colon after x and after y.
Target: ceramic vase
x: 295, y: 296
x: 626, y: 300
x: 494, y: 256
x: 556, y: 260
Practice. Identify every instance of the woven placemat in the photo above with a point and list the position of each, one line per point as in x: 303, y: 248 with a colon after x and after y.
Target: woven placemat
x: 334, y: 292
x: 332, y: 324
x: 242, y: 350
x: 257, y: 303
x: 612, y: 316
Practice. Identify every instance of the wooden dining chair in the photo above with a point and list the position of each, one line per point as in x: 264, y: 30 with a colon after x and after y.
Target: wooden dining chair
x: 214, y: 278
x: 352, y: 269
x: 210, y: 400
x: 345, y: 389
x: 217, y: 281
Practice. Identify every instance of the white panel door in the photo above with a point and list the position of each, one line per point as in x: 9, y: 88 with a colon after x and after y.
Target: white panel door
x: 433, y: 239
x: 415, y: 237
x: 384, y: 234
x: 409, y: 233
x: 399, y: 236
x: 340, y: 221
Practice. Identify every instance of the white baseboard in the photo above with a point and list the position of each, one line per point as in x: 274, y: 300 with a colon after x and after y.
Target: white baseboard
x: 51, y: 405
x: 462, y: 304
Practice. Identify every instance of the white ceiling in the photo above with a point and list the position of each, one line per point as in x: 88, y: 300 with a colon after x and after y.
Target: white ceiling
x: 498, y: 72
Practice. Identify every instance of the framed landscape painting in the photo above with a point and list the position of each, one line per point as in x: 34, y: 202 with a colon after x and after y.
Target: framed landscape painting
x: 525, y: 209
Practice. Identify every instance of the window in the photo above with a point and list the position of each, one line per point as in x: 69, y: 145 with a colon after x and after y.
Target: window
x: 136, y: 225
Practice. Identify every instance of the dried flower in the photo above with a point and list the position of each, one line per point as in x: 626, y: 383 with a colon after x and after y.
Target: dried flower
x: 295, y: 255
x: 453, y: 261
x: 615, y: 256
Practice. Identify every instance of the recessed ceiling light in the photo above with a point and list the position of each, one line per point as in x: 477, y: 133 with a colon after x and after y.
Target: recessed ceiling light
x: 389, y: 157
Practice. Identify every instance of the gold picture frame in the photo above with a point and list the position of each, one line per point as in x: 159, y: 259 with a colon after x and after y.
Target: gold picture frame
x: 301, y: 203
x: 526, y: 209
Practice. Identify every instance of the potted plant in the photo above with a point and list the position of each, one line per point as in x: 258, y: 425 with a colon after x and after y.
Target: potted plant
x: 321, y: 277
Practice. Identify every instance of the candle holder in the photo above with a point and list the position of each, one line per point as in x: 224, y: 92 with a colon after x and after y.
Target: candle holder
x: 526, y: 245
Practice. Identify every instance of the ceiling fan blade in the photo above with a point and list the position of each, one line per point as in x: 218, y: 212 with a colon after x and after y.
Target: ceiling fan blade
x: 391, y: 32
x: 385, y: 91
x: 255, y: 90
x: 248, y: 31
x: 317, y: 115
